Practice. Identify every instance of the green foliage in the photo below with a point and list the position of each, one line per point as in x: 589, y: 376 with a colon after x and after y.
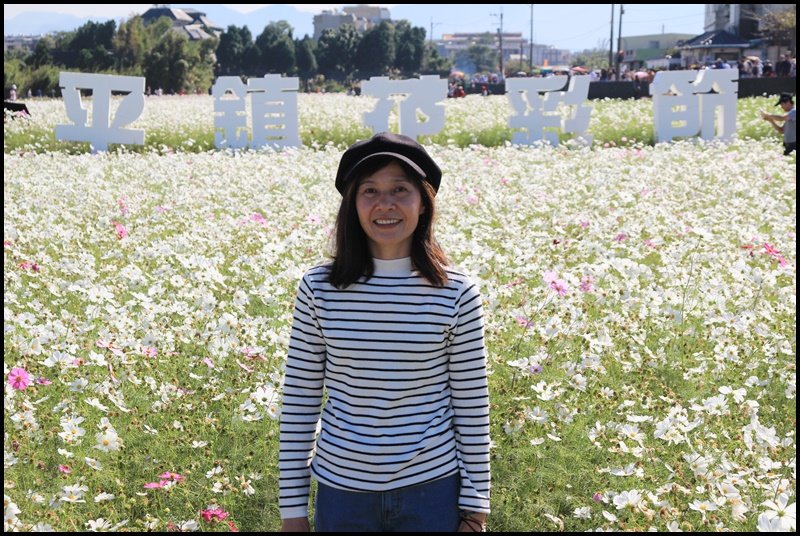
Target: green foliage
x: 376, y: 51
x: 482, y: 55
x: 235, y: 47
x: 306, y: 61
x: 130, y: 46
x: 433, y: 63
x: 336, y: 52
x: 410, y: 48
x: 276, y: 49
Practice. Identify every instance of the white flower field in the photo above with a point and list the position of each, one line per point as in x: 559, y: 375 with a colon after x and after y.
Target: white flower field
x: 640, y: 309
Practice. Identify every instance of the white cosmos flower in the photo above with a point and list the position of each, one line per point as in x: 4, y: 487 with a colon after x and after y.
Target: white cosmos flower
x: 108, y: 441
x: 628, y: 499
x: 780, y: 508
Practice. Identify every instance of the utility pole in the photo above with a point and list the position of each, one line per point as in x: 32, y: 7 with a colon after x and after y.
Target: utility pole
x: 611, y: 42
x: 620, y: 53
x: 500, y: 35
x: 432, y: 25
x: 530, y: 58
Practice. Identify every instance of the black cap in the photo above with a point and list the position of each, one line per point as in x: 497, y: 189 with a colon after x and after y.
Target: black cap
x: 785, y: 97
x: 388, y: 144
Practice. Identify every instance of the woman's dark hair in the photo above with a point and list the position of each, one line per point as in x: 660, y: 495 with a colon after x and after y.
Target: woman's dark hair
x: 351, y: 256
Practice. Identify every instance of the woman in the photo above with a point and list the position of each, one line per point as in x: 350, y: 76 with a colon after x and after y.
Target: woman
x: 396, y: 338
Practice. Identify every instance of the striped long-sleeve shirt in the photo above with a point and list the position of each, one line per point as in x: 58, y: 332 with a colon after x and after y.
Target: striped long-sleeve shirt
x: 404, y: 366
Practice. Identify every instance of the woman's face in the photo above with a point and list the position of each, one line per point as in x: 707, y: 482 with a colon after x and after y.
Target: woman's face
x: 389, y: 205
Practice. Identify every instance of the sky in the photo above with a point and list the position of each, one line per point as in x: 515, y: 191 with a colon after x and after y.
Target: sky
x: 572, y: 27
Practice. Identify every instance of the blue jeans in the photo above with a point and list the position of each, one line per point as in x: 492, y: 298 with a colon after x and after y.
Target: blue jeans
x: 429, y: 507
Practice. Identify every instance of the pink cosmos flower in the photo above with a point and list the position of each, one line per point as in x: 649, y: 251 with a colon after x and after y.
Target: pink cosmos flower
x: 64, y: 469
x: 522, y: 321
x: 122, y: 232
x: 232, y: 527
x: 174, y: 476
x: 155, y: 485
x: 213, y: 514
x: 7, y: 243
x: 43, y: 381
x: 149, y: 351
x: 29, y: 266
x: 259, y: 219
x: 18, y: 378
x: 586, y: 283
x: 621, y: 237
x: 559, y: 285
x: 115, y: 351
x: 597, y: 497
x: 122, y: 202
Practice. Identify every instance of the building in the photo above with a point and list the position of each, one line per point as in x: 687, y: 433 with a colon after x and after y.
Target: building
x: 20, y: 42
x: 372, y: 14
x: 739, y: 19
x: 515, y: 48
x: 742, y: 20
x: 193, y: 24
x: 644, y: 51
x: 549, y: 55
x: 708, y: 47
x: 362, y: 17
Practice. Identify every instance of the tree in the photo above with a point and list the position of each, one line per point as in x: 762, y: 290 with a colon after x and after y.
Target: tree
x: 592, y: 58
x: 781, y: 27
x: 42, y: 52
x: 130, y: 46
x: 90, y: 48
x: 229, y: 52
x: 482, y: 54
x: 375, y: 52
x: 336, y: 52
x: 304, y: 54
x: 410, y: 48
x: 276, y: 48
x: 433, y: 63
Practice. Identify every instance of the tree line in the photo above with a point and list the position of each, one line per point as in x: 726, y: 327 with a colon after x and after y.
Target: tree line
x: 170, y: 61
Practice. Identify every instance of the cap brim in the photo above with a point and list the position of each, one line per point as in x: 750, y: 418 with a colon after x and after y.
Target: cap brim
x: 360, y: 164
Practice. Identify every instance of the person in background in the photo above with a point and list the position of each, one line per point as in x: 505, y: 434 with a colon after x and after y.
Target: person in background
x: 12, y: 94
x: 789, y: 120
x: 394, y: 335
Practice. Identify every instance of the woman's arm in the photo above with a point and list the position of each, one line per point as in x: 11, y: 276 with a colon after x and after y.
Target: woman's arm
x: 302, y: 398
x: 470, y: 400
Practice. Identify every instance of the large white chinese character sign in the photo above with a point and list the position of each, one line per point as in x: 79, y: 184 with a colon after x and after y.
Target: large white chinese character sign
x: 230, y: 115
x: 102, y: 130
x: 538, y: 116
x: 422, y: 97
x: 274, y: 101
x: 274, y: 105
x: 688, y: 103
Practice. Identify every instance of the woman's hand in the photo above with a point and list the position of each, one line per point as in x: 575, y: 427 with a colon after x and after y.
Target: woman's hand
x: 472, y: 522
x: 295, y: 524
